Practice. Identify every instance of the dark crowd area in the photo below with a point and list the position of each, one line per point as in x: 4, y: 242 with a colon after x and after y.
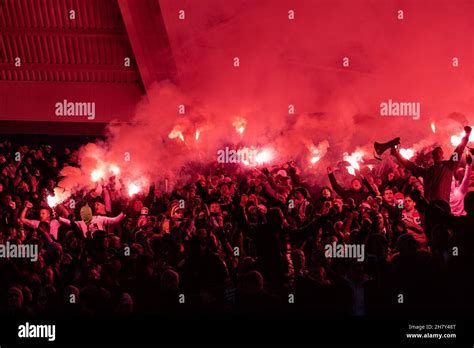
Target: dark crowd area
x: 238, y: 240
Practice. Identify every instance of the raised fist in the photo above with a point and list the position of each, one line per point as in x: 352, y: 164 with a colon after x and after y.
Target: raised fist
x: 468, y: 129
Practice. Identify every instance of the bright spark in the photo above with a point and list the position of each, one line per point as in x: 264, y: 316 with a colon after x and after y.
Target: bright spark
x: 115, y: 170
x: 239, y: 124
x: 353, y: 160
x: 59, y: 196
x: 133, y: 189
x: 263, y: 157
x: 97, y: 174
x: 407, y: 153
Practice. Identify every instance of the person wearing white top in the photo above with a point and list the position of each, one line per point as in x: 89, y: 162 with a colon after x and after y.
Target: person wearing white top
x: 45, y: 216
x: 460, y: 189
x: 92, y: 223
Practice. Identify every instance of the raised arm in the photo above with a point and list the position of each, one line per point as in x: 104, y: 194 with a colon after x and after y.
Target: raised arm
x: 107, y: 200
x: 412, y: 167
x: 23, y: 219
x: 114, y: 220
x: 64, y: 221
x: 464, y: 187
x: 336, y: 187
x: 462, y: 145
x: 369, y: 187
x: 423, y: 206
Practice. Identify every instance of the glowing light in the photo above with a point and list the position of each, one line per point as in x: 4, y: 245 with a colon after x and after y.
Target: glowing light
x: 177, y: 132
x: 133, y: 189
x: 433, y: 127
x: 198, y: 132
x: 407, y: 153
x: 263, y: 156
x: 58, y: 197
x: 97, y: 174
x: 115, y: 170
x: 456, y: 139
x: 353, y: 160
x: 239, y: 124
x: 247, y: 156
x: 317, y: 152
x: 52, y: 201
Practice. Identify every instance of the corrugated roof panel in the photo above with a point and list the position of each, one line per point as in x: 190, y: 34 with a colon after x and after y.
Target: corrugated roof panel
x: 53, y: 47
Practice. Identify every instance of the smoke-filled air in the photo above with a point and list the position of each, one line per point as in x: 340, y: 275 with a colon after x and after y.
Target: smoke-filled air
x: 245, y: 81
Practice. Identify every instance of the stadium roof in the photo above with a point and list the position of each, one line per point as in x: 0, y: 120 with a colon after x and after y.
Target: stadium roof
x: 78, y: 50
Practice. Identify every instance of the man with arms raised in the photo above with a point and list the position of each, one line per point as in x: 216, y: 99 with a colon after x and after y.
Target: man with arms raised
x: 437, y: 177
x: 44, y: 216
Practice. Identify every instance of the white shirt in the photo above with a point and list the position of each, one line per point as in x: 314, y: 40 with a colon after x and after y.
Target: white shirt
x: 53, y: 227
x: 459, y: 191
x: 98, y: 223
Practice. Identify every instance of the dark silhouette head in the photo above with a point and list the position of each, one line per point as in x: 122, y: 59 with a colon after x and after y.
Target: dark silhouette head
x: 438, y: 154
x: 469, y: 203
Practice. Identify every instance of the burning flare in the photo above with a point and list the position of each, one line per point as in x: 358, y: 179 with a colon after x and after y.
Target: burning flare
x: 456, y: 139
x: 97, y: 174
x: 60, y: 195
x: 177, y: 132
x: 433, y: 127
x: 407, y: 153
x: 353, y: 160
x: 239, y: 124
x: 315, y: 154
x: 318, y: 152
x: 133, y: 189
x: 264, y: 156
x: 114, y: 169
x: 315, y: 159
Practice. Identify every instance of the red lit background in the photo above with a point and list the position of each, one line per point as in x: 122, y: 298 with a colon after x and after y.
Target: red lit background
x: 282, y: 61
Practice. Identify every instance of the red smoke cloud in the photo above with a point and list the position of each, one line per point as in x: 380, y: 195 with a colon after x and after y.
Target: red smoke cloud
x: 299, y: 62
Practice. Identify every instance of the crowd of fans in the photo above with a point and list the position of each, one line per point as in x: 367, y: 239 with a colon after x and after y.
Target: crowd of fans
x: 238, y: 240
